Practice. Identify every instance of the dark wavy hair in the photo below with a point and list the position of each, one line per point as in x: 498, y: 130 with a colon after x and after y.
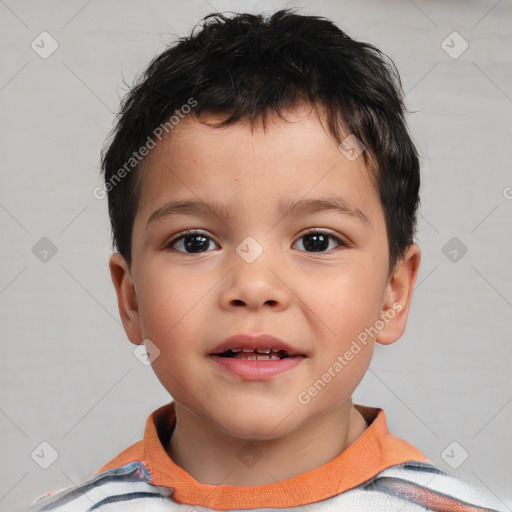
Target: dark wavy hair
x: 248, y: 65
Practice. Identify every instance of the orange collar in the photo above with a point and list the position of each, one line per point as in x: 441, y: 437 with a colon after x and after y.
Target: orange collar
x: 373, y: 452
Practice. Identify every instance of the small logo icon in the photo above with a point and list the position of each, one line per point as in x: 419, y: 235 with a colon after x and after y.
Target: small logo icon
x: 351, y: 147
x: 44, y: 45
x: 454, y: 455
x: 249, y: 455
x: 249, y: 250
x: 507, y: 192
x: 146, y: 352
x: 44, y: 455
x: 44, y: 250
x: 454, y: 250
x: 454, y: 45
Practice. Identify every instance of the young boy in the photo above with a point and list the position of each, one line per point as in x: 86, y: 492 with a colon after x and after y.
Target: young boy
x: 262, y: 191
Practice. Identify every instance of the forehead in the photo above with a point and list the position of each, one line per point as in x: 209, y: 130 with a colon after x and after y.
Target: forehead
x: 252, y: 163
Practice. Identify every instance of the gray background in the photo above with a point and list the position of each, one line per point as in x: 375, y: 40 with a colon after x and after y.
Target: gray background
x: 68, y: 373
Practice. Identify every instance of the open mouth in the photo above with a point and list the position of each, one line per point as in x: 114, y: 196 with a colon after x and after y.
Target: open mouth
x: 256, y: 355
x: 257, y: 364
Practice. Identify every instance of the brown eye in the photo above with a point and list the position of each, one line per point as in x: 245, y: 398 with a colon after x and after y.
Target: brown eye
x: 319, y: 241
x: 191, y: 243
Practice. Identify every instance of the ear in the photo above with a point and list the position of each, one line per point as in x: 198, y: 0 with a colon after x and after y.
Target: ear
x: 398, y: 296
x: 126, y: 298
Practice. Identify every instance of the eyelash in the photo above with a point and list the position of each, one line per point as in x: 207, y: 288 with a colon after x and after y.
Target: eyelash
x: 312, y: 231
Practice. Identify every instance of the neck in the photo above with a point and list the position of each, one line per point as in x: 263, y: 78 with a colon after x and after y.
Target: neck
x: 213, y: 457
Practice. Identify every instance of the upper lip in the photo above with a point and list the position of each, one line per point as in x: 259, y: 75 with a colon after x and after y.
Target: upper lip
x: 248, y: 341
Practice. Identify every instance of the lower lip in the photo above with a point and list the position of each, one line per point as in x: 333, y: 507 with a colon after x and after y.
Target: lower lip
x: 257, y: 369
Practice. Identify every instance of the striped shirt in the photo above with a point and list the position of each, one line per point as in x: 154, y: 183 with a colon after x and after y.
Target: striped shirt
x: 379, y: 472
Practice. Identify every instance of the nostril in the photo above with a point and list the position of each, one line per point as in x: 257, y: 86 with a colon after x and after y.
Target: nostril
x: 238, y: 302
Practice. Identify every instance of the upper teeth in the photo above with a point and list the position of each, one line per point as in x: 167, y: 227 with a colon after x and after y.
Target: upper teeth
x: 259, y: 350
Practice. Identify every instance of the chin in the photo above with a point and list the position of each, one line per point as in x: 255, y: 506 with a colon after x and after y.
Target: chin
x: 256, y: 424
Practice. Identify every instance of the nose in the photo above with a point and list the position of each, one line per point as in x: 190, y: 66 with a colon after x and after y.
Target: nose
x: 254, y: 286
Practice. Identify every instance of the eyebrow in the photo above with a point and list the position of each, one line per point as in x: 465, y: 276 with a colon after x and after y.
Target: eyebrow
x: 335, y: 204
x: 285, y: 208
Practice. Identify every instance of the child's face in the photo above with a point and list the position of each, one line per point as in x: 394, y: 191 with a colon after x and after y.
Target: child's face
x: 187, y: 303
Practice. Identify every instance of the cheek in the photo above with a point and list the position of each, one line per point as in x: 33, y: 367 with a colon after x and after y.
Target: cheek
x: 345, y: 302
x: 336, y: 376
x: 168, y: 304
